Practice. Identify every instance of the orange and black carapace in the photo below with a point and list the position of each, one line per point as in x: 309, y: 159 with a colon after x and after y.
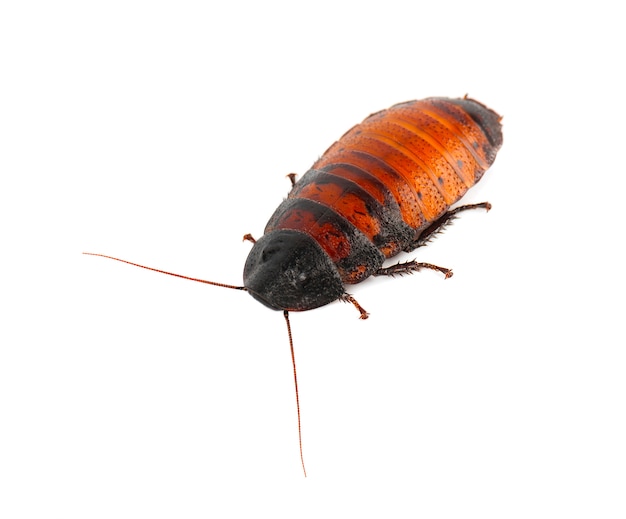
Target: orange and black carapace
x: 385, y: 187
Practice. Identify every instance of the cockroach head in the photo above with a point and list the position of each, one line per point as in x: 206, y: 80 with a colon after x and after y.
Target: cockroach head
x: 288, y: 270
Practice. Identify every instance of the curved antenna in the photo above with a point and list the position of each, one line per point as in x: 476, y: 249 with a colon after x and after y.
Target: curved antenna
x: 285, y: 313
x: 168, y: 273
x: 295, y: 380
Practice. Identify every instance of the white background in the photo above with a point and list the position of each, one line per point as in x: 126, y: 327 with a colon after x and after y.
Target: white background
x: 161, y: 132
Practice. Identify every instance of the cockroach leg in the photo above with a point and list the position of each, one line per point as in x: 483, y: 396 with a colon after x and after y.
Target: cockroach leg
x: 292, y: 178
x: 409, y: 267
x: 440, y: 224
x: 347, y: 298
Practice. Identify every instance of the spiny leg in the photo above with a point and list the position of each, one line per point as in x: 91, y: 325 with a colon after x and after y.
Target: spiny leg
x: 249, y: 237
x: 347, y: 298
x: 409, y: 267
x: 440, y: 224
x: 437, y: 226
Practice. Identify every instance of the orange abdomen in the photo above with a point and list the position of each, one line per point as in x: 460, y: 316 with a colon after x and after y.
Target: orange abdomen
x: 377, y: 188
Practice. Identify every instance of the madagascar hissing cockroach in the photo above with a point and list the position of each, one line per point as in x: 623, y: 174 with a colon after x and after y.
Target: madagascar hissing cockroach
x: 384, y: 187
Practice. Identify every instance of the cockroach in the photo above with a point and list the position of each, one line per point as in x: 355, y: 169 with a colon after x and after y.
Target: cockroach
x: 385, y: 187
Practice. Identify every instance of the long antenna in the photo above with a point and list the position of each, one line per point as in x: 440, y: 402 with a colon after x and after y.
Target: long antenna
x: 168, y: 273
x: 285, y: 313
x: 295, y: 380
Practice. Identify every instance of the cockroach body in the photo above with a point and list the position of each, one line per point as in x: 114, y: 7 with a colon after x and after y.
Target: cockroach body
x: 383, y: 188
